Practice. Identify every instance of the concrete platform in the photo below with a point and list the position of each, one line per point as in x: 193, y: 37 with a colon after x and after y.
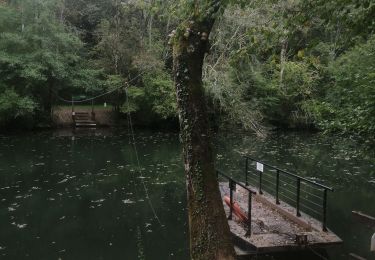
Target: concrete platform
x: 274, y: 227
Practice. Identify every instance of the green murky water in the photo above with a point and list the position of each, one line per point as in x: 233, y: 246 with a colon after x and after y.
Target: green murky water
x: 82, y: 196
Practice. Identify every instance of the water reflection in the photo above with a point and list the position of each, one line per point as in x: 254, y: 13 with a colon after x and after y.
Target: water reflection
x: 80, y: 195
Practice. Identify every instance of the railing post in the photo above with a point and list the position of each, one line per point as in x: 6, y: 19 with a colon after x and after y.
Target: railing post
x: 246, y: 171
x: 260, y: 182
x: 325, y: 210
x: 231, y: 199
x: 277, y: 186
x: 73, y: 112
x: 298, y: 195
x: 249, y: 205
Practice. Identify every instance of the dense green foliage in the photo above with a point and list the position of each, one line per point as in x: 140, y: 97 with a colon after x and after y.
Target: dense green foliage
x: 39, y: 55
x: 53, y: 49
x: 350, y: 103
x: 294, y: 64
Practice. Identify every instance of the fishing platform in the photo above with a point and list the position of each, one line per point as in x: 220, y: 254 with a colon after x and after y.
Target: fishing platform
x: 274, y: 210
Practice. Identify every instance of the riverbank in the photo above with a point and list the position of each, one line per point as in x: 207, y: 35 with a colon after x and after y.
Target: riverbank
x: 62, y: 116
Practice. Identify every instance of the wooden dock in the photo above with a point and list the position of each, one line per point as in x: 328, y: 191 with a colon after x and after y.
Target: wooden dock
x: 262, y: 218
x: 274, y: 227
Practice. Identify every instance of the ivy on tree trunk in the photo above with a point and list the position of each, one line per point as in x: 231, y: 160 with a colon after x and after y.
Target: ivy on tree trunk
x: 210, y: 236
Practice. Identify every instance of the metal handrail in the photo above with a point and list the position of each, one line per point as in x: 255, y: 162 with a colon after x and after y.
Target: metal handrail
x: 291, y: 174
x: 299, y: 180
x: 232, y: 186
x: 236, y: 182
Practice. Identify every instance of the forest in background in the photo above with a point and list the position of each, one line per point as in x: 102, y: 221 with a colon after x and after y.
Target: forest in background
x: 290, y: 64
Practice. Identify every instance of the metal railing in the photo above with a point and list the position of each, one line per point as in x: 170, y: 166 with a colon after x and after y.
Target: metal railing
x: 308, y: 196
x: 232, y: 186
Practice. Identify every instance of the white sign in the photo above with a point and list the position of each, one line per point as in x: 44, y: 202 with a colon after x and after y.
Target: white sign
x: 260, y: 167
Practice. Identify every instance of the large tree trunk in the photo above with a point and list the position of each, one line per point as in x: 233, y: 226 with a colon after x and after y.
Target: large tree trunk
x: 209, y: 231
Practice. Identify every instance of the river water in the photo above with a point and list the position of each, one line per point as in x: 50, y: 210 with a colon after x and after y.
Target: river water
x: 83, y: 195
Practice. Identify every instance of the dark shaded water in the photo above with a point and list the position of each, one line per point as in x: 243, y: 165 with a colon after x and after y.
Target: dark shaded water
x: 82, y: 196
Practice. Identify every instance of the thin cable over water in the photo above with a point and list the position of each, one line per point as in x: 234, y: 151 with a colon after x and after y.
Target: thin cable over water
x: 138, y: 161
x: 108, y: 92
x: 100, y: 95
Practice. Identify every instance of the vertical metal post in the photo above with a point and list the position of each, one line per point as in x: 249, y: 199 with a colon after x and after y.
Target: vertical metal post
x: 249, y: 205
x: 260, y: 182
x: 231, y: 199
x: 73, y: 112
x: 277, y: 186
x: 246, y: 171
x: 325, y: 210
x: 298, y: 195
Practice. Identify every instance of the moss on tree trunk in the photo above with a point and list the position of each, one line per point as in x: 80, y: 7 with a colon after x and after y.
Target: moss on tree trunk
x: 209, y: 231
